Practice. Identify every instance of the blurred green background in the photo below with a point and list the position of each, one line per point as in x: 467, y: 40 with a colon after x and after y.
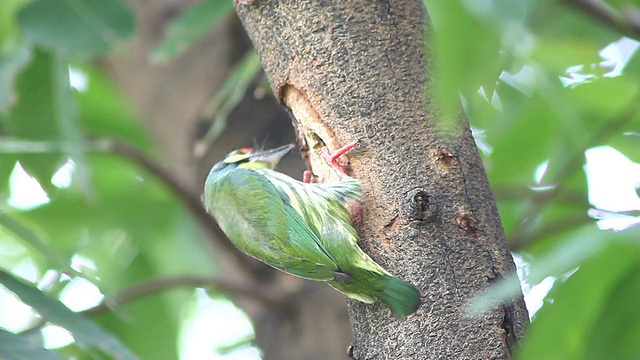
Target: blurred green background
x: 111, y: 114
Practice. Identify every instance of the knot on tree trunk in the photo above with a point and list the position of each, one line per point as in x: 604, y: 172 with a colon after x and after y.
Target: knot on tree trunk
x: 418, y: 205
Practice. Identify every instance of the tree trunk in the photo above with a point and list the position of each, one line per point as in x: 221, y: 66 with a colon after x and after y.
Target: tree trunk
x: 357, y: 70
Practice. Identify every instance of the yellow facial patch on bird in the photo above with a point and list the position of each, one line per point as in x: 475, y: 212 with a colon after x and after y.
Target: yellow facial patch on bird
x: 238, y: 155
x: 254, y: 165
x: 256, y: 159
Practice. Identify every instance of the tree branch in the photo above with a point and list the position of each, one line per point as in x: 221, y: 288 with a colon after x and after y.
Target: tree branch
x: 627, y: 23
x: 251, y: 289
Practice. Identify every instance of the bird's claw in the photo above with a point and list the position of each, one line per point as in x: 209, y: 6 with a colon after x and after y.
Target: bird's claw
x: 332, y: 159
x: 308, y: 177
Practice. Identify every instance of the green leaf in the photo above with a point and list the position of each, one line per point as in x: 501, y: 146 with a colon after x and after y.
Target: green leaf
x: 68, y: 217
x: 614, y: 336
x: 466, y: 54
x: 65, y: 117
x: 191, y: 26
x: 84, y: 331
x: 12, y: 60
x: 571, y: 252
x: 32, y: 118
x: 227, y: 99
x: 567, y: 328
x: 150, y: 317
x: 33, y: 241
x: 46, y: 111
x: 526, y: 126
x: 8, y: 28
x: 568, y: 24
x: 106, y: 112
x: 129, y: 231
x: 79, y: 27
x: 15, y: 347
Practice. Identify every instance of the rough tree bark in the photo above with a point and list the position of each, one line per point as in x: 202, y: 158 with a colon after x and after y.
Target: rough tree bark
x: 357, y: 70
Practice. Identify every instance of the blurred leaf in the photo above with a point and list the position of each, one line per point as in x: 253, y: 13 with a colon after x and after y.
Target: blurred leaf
x: 123, y: 204
x: 79, y: 27
x: 15, y: 347
x: 227, y: 99
x: 466, y: 54
x: 526, y: 126
x: 632, y: 69
x: 152, y: 317
x: 33, y: 117
x: 600, y: 100
x: 106, y: 112
x: 554, y: 21
x: 84, y: 331
x: 562, y: 328
x: 77, y: 352
x: 615, y: 336
x: 192, y: 25
x: 566, y: 253
x: 46, y: 111
x: 627, y: 144
x: 622, y: 4
x: 12, y: 60
x: 8, y: 28
x: 129, y: 232
x: 557, y: 54
x: 601, y: 110
x: 562, y: 256
x: 129, y: 212
x: 65, y: 117
x: 34, y: 242
x: 158, y: 316
x: 7, y: 164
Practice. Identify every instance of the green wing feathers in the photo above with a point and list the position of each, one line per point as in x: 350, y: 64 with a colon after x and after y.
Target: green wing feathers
x: 305, y: 230
x: 268, y: 233
x: 402, y: 297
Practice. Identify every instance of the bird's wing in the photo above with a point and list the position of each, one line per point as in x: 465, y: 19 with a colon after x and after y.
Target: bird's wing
x: 251, y: 212
x: 347, y: 190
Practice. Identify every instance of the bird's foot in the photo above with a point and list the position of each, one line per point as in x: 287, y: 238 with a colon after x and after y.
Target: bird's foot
x: 332, y: 159
x: 308, y: 177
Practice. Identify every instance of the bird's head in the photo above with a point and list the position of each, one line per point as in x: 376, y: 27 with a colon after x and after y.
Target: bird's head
x: 249, y: 158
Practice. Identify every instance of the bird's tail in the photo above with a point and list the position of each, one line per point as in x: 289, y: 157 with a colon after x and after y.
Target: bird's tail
x: 402, y: 297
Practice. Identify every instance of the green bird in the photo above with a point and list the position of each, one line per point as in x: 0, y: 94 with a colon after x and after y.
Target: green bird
x: 302, y: 228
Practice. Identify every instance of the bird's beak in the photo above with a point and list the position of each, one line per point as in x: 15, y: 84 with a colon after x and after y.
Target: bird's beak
x: 271, y: 157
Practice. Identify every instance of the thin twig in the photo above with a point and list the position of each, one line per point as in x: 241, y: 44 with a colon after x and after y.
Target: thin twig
x: 626, y: 23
